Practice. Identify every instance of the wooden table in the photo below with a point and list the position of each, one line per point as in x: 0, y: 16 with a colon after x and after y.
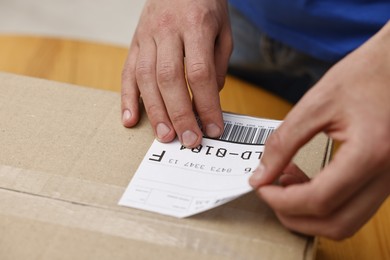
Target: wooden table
x: 99, y: 66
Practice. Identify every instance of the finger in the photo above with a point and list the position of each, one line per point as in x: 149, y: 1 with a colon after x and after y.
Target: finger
x: 304, y: 121
x: 202, y: 79
x: 335, y: 185
x: 154, y: 105
x: 346, y: 220
x: 129, y: 91
x: 174, y: 91
x: 223, y: 49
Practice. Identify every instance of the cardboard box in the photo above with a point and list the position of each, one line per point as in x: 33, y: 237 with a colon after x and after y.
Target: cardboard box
x: 65, y: 160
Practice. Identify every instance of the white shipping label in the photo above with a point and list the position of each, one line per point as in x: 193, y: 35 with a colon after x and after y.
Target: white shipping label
x: 180, y: 182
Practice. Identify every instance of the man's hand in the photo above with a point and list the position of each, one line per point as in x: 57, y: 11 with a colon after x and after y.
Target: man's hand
x: 178, y: 41
x: 351, y: 104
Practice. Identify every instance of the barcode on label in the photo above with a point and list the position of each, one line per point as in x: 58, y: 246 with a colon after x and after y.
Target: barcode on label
x: 246, y: 134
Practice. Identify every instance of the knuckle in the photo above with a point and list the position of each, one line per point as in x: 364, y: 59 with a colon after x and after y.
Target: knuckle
x: 196, y: 16
x: 201, y: 18
x: 198, y: 72
x: 166, y: 20
x: 143, y: 69
x: 207, y: 110
x: 167, y: 72
x: 178, y: 117
x: 153, y: 112
x: 125, y: 95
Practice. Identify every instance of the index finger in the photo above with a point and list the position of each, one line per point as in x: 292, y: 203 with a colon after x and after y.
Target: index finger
x: 303, y: 122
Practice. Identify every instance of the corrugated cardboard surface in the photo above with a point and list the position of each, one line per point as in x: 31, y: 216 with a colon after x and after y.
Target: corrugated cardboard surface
x: 65, y: 160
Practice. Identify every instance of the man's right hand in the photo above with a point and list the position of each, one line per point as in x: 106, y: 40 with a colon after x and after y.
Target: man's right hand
x: 178, y: 41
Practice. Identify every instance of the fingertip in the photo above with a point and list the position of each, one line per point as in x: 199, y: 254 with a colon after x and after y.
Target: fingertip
x: 213, y: 130
x: 164, y: 133
x: 129, y: 119
x: 258, y: 177
x: 212, y: 121
x: 191, y: 139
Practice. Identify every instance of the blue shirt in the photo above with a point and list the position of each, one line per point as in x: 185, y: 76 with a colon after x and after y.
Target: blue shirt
x: 326, y: 29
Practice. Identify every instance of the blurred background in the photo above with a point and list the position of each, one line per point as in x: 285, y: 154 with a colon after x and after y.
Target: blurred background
x: 104, y: 21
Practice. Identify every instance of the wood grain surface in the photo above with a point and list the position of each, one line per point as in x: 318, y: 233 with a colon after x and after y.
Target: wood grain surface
x: 99, y: 66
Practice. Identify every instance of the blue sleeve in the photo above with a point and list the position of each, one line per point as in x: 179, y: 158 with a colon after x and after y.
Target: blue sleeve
x: 325, y: 29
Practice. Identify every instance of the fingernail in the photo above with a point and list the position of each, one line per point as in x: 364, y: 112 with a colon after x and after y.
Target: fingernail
x: 189, y: 138
x: 126, y: 115
x: 212, y: 130
x: 162, y: 130
x: 257, y: 177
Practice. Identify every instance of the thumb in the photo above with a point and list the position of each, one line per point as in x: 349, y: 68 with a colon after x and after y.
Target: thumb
x: 292, y: 175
